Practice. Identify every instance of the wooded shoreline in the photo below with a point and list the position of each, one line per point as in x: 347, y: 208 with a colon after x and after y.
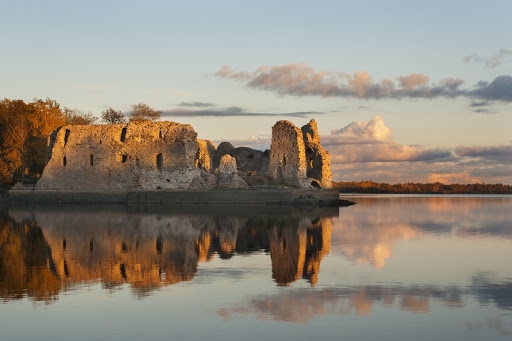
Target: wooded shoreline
x: 420, y: 188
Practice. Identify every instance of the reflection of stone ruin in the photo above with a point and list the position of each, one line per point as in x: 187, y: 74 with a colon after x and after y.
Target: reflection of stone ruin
x: 151, y: 250
x: 297, y: 251
x: 167, y: 155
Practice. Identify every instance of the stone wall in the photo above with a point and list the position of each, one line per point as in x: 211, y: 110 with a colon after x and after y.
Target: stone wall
x: 287, y: 154
x: 205, y: 155
x: 120, y: 157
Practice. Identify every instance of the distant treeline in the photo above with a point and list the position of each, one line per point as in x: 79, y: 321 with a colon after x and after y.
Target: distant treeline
x: 419, y: 188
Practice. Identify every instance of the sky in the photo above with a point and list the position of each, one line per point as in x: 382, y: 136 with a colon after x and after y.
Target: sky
x: 402, y: 91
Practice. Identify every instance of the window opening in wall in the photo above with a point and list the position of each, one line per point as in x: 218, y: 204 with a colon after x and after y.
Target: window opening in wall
x: 66, y: 269
x: 66, y: 136
x: 124, y: 157
x: 123, y: 135
x: 122, y: 270
x: 159, y: 160
x: 91, y: 160
x: 159, y: 245
x: 284, y: 162
x: 160, y: 135
x: 64, y: 161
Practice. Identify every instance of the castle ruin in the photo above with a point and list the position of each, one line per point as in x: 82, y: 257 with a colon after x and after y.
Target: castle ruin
x: 168, y: 156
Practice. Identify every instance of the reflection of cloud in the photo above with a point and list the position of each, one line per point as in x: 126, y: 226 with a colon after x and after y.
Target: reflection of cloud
x: 415, y: 304
x: 369, y: 234
x: 491, y: 323
x: 303, y: 80
x: 300, y: 306
x: 389, y: 221
x: 373, y: 247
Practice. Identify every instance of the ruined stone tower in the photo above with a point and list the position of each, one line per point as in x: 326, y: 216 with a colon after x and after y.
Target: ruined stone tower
x: 287, y: 153
x: 317, y: 158
x: 297, y: 156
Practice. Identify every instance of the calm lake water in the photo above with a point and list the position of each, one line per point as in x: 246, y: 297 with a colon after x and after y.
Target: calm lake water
x: 388, y: 268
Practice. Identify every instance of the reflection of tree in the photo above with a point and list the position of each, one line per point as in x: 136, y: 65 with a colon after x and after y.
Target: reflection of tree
x: 24, y: 266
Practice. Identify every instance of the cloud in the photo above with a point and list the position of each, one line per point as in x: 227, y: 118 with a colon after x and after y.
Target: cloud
x: 366, y: 150
x: 479, y: 104
x: 446, y: 172
x: 302, y: 80
x: 230, y: 112
x: 195, y: 104
x: 413, y: 80
x: 496, y: 153
x: 452, y: 83
x: 371, y: 141
x: 374, y: 129
x: 499, y: 89
x: 491, y: 61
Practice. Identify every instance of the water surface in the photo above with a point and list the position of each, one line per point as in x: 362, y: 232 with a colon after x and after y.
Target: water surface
x: 388, y: 268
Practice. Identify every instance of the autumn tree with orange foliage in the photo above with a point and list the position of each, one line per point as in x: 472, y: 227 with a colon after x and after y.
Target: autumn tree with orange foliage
x: 24, y: 131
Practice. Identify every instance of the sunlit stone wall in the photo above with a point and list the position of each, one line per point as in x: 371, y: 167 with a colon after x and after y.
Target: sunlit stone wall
x: 137, y: 155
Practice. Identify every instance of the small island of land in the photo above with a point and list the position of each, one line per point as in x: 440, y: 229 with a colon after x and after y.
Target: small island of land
x: 145, y: 162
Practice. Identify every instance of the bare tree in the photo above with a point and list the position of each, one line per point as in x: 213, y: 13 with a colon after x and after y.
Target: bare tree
x: 77, y: 117
x: 143, y: 112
